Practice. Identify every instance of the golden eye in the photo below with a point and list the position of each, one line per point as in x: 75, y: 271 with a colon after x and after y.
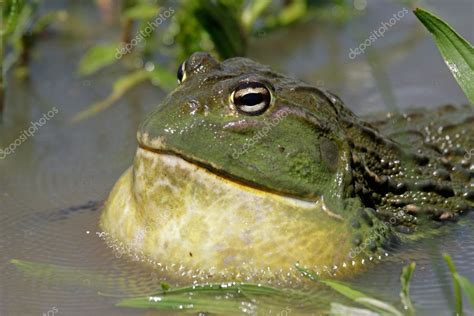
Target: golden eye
x: 182, y: 72
x: 252, y: 98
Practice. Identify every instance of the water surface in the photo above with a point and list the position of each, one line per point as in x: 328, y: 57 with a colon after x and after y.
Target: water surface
x: 65, y: 165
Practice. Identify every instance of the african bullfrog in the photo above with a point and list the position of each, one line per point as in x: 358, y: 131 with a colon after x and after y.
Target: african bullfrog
x: 242, y: 172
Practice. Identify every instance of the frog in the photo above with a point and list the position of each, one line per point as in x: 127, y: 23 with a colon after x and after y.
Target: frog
x: 246, y: 174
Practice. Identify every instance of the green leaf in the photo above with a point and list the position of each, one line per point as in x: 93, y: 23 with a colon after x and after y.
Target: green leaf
x: 121, y: 86
x: 405, y: 279
x: 158, y: 76
x: 458, y: 54
x: 49, y: 18
x: 460, y: 282
x: 293, y: 12
x: 251, y: 13
x: 10, y: 12
x: 344, y: 289
x: 467, y: 287
x: 98, y: 57
x: 142, y: 11
x: 189, y: 34
x: 456, y: 285
x: 21, y: 27
x: 362, y: 299
x: 222, y: 23
x: 355, y: 295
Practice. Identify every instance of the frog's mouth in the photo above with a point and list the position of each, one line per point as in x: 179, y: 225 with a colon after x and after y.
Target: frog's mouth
x: 176, y: 158
x: 217, y: 171
x: 157, y: 146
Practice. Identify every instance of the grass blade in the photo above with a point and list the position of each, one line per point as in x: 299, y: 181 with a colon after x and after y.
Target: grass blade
x: 228, y: 299
x: 405, y: 278
x: 121, y: 86
x: 456, y: 285
x: 467, y: 287
x: 456, y: 51
x: 182, y: 303
x: 344, y: 289
x: 355, y: 295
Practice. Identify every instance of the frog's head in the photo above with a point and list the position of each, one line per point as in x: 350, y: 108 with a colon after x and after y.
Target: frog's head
x: 242, y: 121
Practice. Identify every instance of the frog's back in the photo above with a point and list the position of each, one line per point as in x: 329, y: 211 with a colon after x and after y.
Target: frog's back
x: 448, y: 130
x: 446, y: 136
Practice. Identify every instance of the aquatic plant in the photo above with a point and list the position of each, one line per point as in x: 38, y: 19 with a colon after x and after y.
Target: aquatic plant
x: 334, y: 297
x: 365, y: 303
x: 20, y: 26
x: 458, y: 54
x: 223, y: 27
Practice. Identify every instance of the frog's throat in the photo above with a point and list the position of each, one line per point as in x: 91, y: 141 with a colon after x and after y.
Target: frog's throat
x: 178, y: 214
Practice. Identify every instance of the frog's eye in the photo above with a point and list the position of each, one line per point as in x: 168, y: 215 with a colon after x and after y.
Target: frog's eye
x: 182, y: 72
x: 252, y: 98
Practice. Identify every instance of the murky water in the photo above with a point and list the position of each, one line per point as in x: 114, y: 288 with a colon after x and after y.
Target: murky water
x: 65, y: 165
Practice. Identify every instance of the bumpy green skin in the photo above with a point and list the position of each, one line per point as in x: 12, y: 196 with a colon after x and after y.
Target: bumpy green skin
x: 430, y: 161
x: 394, y: 169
